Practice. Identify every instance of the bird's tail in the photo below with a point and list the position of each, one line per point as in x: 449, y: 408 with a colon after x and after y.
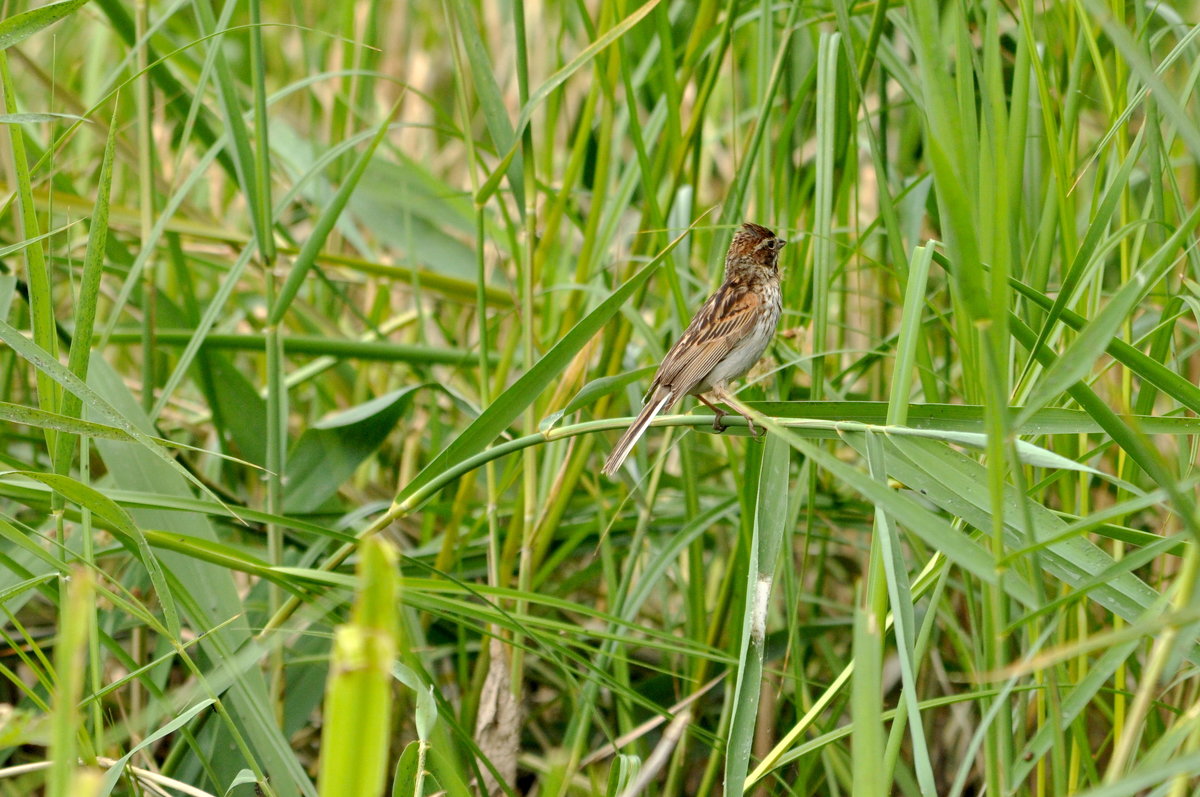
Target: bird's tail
x: 654, y: 406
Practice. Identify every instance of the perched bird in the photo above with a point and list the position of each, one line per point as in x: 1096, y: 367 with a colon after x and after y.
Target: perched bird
x: 723, y: 341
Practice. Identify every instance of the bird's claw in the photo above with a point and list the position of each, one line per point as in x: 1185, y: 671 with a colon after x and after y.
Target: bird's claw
x: 718, y: 426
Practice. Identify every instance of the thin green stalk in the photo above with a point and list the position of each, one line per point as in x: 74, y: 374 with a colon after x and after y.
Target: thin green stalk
x: 147, y: 200
x: 40, y: 297
x: 70, y: 665
x: 528, y: 280
x: 1184, y: 589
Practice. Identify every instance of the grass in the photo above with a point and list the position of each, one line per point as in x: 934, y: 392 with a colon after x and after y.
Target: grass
x: 318, y: 322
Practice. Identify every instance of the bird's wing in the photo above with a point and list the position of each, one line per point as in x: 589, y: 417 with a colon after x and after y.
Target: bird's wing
x: 726, y: 318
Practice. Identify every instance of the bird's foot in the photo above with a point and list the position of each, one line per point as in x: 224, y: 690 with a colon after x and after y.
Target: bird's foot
x: 754, y: 430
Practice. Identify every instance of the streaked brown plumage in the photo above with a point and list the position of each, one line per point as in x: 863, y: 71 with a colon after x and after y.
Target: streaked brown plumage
x: 725, y: 338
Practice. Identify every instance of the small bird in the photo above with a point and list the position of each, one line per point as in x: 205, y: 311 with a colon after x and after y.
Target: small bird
x: 723, y: 341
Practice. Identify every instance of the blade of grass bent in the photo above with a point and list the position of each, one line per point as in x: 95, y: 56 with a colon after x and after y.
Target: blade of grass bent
x: 120, y: 520
x: 955, y: 483
x: 114, y: 773
x: 961, y: 549
x: 37, y: 357
x: 5, y: 251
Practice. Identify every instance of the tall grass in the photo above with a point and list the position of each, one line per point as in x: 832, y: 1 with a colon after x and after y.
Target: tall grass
x: 282, y: 284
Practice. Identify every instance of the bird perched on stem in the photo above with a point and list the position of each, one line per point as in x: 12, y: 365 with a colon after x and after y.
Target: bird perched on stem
x: 723, y: 341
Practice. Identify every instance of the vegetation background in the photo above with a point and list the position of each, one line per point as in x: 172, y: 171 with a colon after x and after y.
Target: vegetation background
x: 318, y: 320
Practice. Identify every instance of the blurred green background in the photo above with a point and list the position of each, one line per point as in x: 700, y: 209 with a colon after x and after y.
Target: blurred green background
x: 318, y: 321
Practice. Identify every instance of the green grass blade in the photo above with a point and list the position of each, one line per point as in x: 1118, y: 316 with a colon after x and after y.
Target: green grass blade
x: 325, y: 223
x: 87, y: 298
x: 45, y: 364
x: 770, y: 522
x: 18, y: 27
x: 488, y: 94
x: 41, y: 299
x: 904, y: 626
x: 1098, y: 225
x: 70, y: 655
x: 354, y: 745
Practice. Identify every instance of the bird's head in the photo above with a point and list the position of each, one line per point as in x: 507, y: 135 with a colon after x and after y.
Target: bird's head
x: 754, y: 249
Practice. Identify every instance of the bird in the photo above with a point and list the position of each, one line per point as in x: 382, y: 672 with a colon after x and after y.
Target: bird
x: 723, y: 341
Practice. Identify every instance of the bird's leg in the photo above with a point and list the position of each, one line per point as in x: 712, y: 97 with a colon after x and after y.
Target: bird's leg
x: 718, y: 427
x: 721, y: 394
